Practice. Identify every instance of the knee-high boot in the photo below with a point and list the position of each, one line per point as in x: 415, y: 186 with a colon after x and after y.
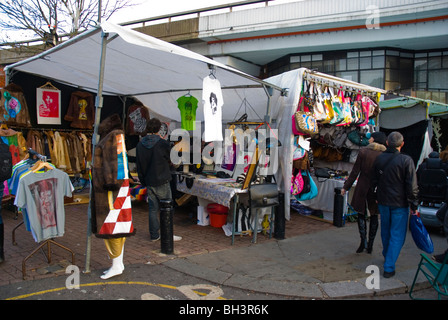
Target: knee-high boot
x: 372, y: 232
x: 2, y: 234
x: 362, y: 227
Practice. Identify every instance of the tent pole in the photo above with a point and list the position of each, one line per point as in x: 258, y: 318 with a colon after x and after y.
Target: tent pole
x: 95, y: 138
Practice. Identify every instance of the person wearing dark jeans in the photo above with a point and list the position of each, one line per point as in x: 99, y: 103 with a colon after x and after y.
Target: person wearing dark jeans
x: 396, y: 186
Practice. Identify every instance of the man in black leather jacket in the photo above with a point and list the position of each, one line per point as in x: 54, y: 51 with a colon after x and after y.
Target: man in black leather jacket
x: 395, y: 180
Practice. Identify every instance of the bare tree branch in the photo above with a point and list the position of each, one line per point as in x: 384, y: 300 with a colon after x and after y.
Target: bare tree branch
x: 63, y: 17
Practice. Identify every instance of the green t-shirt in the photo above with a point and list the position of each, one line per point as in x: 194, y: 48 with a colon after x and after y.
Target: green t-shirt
x: 187, y: 107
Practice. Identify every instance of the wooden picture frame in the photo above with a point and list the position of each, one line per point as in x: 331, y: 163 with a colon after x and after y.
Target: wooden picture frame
x: 48, y: 104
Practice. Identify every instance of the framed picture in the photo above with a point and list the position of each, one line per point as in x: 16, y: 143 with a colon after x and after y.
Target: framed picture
x: 48, y: 102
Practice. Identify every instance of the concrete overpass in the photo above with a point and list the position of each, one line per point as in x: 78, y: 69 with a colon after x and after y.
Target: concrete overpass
x: 252, y: 38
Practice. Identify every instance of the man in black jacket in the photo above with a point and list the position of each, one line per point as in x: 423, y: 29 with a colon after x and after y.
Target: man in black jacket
x: 153, y: 167
x: 396, y: 189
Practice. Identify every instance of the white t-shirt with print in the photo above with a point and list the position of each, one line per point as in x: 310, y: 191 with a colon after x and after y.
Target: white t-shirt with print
x: 213, y: 101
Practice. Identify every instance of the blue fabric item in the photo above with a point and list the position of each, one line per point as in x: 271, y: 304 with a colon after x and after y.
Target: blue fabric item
x: 394, y: 222
x: 420, y: 235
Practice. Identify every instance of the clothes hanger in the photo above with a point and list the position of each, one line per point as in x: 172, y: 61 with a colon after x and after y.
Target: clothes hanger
x: 39, y: 165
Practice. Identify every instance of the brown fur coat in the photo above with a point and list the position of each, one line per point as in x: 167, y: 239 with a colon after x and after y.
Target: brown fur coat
x: 105, y: 169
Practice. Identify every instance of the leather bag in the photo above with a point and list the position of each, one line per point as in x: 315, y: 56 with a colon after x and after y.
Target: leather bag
x: 263, y: 195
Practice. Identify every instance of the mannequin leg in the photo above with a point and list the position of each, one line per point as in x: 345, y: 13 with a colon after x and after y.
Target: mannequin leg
x: 115, y: 249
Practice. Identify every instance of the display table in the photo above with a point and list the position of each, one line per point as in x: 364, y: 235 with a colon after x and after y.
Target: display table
x: 325, y: 198
x: 221, y: 191
x: 214, y: 189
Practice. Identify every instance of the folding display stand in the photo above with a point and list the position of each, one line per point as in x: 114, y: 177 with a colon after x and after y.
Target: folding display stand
x: 47, y: 255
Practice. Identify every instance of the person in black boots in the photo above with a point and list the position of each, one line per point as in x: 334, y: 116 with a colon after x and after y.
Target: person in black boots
x: 363, y: 196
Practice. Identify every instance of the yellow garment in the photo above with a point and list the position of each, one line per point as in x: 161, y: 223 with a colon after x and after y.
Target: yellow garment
x: 114, y: 246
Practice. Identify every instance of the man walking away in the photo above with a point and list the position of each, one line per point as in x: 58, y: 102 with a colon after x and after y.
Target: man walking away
x: 396, y: 189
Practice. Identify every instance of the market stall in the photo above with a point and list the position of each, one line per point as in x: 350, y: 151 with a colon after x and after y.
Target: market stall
x: 110, y: 60
x: 334, y: 142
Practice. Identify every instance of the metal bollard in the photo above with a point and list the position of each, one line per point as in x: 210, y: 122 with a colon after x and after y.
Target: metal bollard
x: 166, y: 226
x: 338, y: 208
x: 279, y: 219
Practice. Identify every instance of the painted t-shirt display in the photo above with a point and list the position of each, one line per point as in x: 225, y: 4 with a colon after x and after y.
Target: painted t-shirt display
x: 213, y: 102
x: 187, y: 106
x: 42, y: 193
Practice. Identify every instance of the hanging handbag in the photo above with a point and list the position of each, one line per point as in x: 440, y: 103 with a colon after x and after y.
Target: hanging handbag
x: 320, y: 112
x: 357, y: 138
x: 337, y: 109
x: 420, y: 235
x: 304, y: 121
x: 313, y: 189
x: 308, y: 96
x: 326, y: 97
x: 345, y: 109
x: 296, y: 182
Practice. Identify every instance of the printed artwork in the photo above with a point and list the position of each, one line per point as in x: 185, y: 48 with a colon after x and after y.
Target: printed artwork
x: 12, y: 106
x: 82, y: 105
x: 44, y: 197
x: 138, y: 120
x: 48, y: 106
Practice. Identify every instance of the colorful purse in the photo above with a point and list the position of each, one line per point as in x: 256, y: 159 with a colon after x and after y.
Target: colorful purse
x: 337, y: 108
x: 345, y: 109
x: 304, y: 122
x: 320, y: 112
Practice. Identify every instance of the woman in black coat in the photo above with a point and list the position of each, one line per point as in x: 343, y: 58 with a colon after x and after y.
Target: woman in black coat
x: 363, y: 196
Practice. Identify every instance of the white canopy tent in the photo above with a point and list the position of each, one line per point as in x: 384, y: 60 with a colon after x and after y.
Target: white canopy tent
x: 113, y: 60
x: 152, y: 70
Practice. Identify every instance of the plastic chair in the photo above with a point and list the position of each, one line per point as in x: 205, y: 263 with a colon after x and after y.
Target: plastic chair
x: 435, y: 273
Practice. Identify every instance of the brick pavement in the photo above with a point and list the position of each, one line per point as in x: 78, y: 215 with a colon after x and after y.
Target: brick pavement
x: 138, y: 249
